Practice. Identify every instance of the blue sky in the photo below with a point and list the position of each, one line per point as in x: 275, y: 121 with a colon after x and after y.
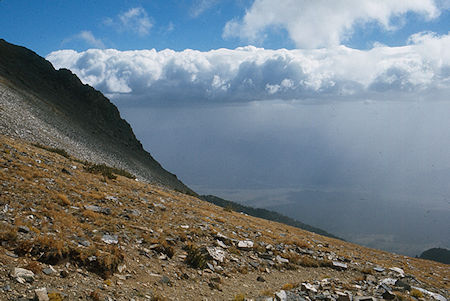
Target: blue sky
x: 46, y: 26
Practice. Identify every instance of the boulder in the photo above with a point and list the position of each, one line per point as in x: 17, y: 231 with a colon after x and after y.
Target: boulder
x: 281, y: 296
x: 40, y: 294
x: 22, y: 275
x: 245, y: 244
x: 216, y: 253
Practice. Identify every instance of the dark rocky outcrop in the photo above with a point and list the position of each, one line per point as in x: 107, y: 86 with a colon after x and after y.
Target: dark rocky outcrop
x: 89, y: 123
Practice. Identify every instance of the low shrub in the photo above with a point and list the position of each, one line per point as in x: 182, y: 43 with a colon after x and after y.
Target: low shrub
x: 58, y: 151
x: 107, y: 171
x: 195, y: 258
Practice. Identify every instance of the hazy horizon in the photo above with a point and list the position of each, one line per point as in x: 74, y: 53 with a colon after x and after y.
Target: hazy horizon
x: 373, y: 173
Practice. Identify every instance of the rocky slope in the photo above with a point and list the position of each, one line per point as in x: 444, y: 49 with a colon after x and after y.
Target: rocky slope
x: 53, y: 107
x: 69, y: 233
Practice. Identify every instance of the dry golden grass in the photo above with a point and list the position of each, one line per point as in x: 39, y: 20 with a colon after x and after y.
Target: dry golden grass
x: 63, y: 199
x: 239, y: 297
x: 416, y: 293
x: 51, y: 195
x: 34, y: 266
x: 53, y: 296
x: 289, y: 286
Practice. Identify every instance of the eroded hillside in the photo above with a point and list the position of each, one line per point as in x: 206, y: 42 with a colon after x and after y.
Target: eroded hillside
x: 83, y: 233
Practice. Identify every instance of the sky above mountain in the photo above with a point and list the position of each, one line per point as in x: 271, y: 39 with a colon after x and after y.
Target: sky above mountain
x: 46, y: 26
x: 274, y: 101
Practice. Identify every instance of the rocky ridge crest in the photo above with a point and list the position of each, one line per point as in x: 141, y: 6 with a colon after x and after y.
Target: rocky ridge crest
x: 53, y: 107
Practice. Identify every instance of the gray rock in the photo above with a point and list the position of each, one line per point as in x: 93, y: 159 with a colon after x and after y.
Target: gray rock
x: 399, y: 271
x: 165, y: 280
x: 281, y: 296
x: 110, y: 239
x: 216, y: 253
x: 281, y: 259
x: 371, y: 279
x: 49, y: 271
x: 260, y: 279
x: 84, y: 242
x: 10, y: 254
x: 433, y: 295
x: 221, y: 244
x: 160, y: 206
x: 401, y: 284
x: 388, y: 295
x: 23, y: 229
x: 378, y: 269
x: 22, y: 275
x: 40, y: 294
x: 7, y: 288
x: 264, y: 298
x: 343, y: 297
x: 245, y: 244
x: 339, y: 265
x: 98, y: 209
x: 306, y: 287
x: 254, y: 264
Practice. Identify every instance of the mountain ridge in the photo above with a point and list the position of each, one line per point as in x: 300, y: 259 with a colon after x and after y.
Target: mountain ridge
x: 59, y: 94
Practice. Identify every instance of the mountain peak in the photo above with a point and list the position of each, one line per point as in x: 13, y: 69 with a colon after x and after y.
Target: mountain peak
x: 85, y: 121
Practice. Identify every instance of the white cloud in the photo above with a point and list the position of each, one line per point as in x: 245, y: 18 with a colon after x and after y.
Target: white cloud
x: 134, y: 20
x: 87, y: 37
x: 248, y: 73
x: 200, y: 6
x: 322, y: 23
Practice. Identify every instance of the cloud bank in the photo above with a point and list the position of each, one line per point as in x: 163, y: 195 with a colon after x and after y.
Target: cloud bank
x: 320, y: 23
x: 419, y: 69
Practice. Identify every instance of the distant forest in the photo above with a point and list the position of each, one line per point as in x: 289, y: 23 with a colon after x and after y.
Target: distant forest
x: 437, y: 254
x: 265, y: 214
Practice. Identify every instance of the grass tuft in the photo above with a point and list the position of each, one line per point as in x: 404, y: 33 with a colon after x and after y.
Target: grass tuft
x: 58, y: 151
x: 107, y: 171
x: 195, y: 258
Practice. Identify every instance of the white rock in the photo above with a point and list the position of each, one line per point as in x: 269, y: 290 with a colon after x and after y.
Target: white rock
x: 41, y: 294
x: 281, y: 259
x: 121, y: 268
x: 110, y: 239
x: 388, y: 281
x: 216, y: 253
x: 308, y: 287
x: 399, y: 271
x: 281, y: 295
x: 434, y: 295
x: 22, y: 275
x: 245, y: 244
x: 221, y: 244
x: 339, y: 265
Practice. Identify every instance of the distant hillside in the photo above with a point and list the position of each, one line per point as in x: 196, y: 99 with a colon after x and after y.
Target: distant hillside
x: 264, y: 213
x: 53, y: 107
x: 437, y: 254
